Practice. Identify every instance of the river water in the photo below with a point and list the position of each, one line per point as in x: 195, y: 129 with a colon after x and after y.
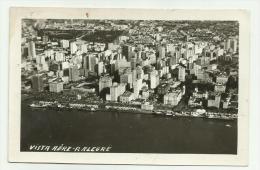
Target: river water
x: 127, y: 132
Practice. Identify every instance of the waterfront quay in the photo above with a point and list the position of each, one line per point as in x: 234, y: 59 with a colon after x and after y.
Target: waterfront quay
x: 43, y: 100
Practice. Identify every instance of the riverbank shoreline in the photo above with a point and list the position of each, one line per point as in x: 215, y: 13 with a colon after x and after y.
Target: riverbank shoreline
x: 123, y: 109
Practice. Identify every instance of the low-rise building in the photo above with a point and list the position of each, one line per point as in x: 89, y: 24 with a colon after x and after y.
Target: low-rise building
x: 126, y: 97
x: 56, y: 86
x: 220, y: 88
x: 172, y: 98
x: 162, y: 89
x: 221, y: 79
x: 147, y: 106
x: 214, y: 101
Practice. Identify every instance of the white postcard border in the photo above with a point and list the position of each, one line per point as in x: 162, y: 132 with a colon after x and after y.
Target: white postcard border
x: 18, y: 13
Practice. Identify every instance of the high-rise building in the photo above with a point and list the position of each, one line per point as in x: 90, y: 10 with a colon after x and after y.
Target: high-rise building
x: 55, y: 67
x: 139, y: 72
x: 170, y: 48
x: 234, y: 45
x: 137, y: 86
x: 24, y: 51
x: 59, y: 56
x: 84, y: 48
x: 161, y: 51
x: 127, y: 77
x: 73, y: 47
x: 40, y: 59
x: 45, y: 38
x: 122, y: 63
x: 65, y: 43
x: 92, y: 61
x: 134, y: 75
x: 85, y: 65
x: 154, y: 79
x: 126, y: 51
x: 37, y: 83
x: 227, y: 44
x: 49, y: 53
x: 173, y: 59
x: 178, y: 56
x: 89, y: 62
x: 181, y: 73
x: 104, y: 82
x: 190, y: 52
x: 73, y: 73
x: 100, y: 68
x: 133, y: 62
x: 116, y: 90
x: 31, y: 50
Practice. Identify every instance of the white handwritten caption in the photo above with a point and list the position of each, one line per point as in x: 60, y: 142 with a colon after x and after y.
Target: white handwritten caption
x: 64, y: 148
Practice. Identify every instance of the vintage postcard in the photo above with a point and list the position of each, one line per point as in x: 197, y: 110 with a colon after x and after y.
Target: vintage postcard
x: 129, y: 86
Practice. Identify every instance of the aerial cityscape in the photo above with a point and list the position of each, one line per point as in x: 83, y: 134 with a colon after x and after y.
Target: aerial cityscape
x: 173, y: 67
x: 171, y: 70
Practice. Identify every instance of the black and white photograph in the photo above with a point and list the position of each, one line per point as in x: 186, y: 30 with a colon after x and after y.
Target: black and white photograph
x: 130, y: 86
x: 142, y: 86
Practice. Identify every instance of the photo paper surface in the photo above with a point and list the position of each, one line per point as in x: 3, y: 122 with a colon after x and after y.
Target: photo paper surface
x: 129, y: 86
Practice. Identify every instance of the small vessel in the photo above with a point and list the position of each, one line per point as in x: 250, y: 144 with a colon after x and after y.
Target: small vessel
x: 228, y: 125
x: 158, y: 113
x: 168, y: 114
x: 37, y: 105
x: 92, y: 109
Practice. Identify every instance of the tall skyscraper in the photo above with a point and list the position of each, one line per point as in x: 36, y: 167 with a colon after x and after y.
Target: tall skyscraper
x: 154, y: 79
x: 73, y: 73
x: 31, y: 50
x: 73, y: 47
x: 137, y: 85
x: 116, y: 90
x: 89, y: 62
x: 126, y: 51
x: 234, y: 45
x: 85, y: 61
x: 105, y: 81
x: 92, y: 61
x: 227, y: 44
x: 45, y: 38
x: 122, y: 63
x: 173, y: 59
x: 100, y: 69
x: 139, y: 72
x: 127, y: 77
x: 181, y: 73
x: 133, y: 62
x: 161, y: 51
x: 37, y: 83
x: 40, y: 59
